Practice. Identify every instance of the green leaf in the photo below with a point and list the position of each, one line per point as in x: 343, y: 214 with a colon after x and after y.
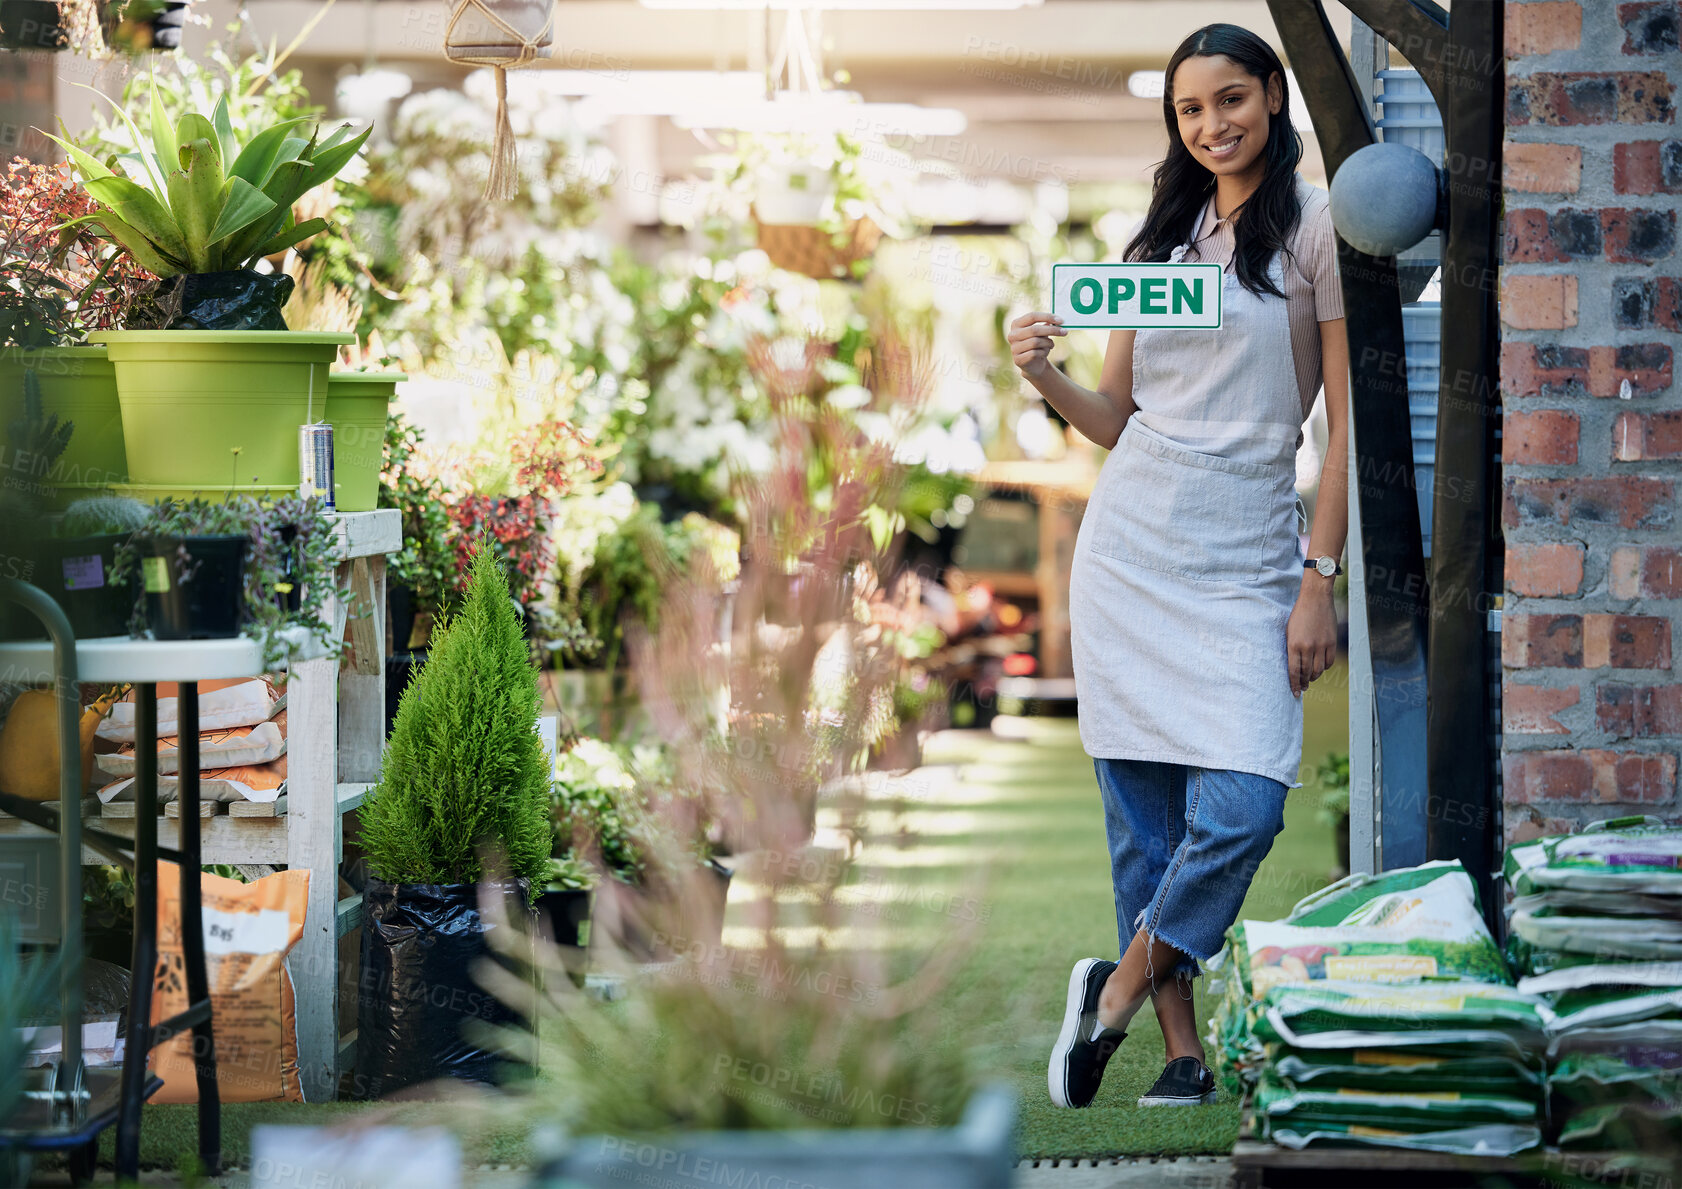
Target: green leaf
x: 224, y: 129
x: 154, y: 168
x: 196, y: 196
x: 293, y: 235
x: 144, y: 251
x: 164, y: 141
x: 140, y: 209
x: 91, y: 166
x: 328, y: 159
x: 189, y: 128
x: 258, y: 159
x: 243, y: 204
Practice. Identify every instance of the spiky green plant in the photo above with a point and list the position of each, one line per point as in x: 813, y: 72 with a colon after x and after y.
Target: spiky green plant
x: 198, y: 201
x: 465, y: 780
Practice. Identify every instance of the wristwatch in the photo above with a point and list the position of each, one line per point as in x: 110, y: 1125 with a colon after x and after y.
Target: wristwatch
x: 1325, y: 565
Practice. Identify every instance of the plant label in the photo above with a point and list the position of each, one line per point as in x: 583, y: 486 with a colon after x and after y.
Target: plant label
x: 1137, y: 296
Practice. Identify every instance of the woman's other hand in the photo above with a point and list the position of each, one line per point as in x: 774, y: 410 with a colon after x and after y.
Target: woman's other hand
x: 1311, y: 632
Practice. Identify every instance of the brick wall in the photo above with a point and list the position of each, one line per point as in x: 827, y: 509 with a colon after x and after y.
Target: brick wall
x: 1591, y: 310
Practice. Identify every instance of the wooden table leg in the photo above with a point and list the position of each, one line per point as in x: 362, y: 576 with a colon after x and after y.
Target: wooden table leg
x: 192, y: 930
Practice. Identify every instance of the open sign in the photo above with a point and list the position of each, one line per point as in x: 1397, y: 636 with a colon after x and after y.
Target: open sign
x: 1134, y: 296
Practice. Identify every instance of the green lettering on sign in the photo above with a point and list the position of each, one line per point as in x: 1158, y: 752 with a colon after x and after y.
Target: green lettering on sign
x: 1153, y: 292
x: 1187, y: 296
x: 1088, y: 286
x: 1121, y: 292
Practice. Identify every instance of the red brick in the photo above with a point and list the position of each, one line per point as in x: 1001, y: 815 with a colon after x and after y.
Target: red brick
x: 1542, y: 28
x: 1594, y: 775
x: 1626, y: 641
x: 1546, y: 302
x: 1535, y: 236
x: 1637, y: 436
x: 1542, y: 641
x: 1650, y: 26
x: 1638, y: 236
x: 1553, y: 570
x: 1628, y: 501
x: 1647, y: 167
x: 1543, y: 438
x: 1525, y: 823
x: 1639, y: 711
x: 1542, y: 168
x: 1614, y: 708
x: 1647, y: 367
x: 1554, y: 98
x: 1645, y: 572
x: 1530, y: 709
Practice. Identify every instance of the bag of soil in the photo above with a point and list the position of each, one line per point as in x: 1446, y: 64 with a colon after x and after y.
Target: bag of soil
x: 1639, y: 855
x: 1470, y: 1067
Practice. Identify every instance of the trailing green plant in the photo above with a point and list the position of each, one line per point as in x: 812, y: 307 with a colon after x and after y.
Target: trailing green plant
x: 290, y: 554
x: 464, y: 784
x: 194, y: 199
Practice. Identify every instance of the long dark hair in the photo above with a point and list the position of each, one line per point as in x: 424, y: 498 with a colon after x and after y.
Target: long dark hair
x: 1182, y: 185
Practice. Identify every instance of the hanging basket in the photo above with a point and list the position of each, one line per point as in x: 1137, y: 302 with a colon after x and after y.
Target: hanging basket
x: 504, y: 35
x: 812, y: 251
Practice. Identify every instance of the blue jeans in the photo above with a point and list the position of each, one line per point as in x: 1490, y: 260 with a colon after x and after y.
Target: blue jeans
x: 1185, y: 842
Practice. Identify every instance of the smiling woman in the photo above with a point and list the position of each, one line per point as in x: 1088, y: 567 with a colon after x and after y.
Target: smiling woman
x: 1196, y: 621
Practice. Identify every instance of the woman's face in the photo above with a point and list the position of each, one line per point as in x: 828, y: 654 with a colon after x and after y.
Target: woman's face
x: 1224, y: 113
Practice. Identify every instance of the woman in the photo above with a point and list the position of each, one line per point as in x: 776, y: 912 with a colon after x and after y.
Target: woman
x: 1197, y: 620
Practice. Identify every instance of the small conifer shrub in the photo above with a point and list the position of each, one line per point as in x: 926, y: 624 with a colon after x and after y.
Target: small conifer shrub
x: 465, y: 780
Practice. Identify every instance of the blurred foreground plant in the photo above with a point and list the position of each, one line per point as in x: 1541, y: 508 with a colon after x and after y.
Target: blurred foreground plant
x: 817, y: 1013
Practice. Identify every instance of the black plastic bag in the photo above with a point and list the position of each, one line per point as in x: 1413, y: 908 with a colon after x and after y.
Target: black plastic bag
x: 417, y: 991
x: 239, y: 299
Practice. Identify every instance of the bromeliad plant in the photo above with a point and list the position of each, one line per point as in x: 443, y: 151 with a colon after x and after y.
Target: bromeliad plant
x: 193, y: 200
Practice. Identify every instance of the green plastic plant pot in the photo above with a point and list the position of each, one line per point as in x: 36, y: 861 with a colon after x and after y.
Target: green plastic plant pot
x: 356, y: 405
x: 211, y: 410
x: 79, y: 386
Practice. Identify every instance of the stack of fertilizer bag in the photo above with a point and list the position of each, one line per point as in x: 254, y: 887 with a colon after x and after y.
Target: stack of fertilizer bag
x: 1381, y: 1012
x: 1596, y: 930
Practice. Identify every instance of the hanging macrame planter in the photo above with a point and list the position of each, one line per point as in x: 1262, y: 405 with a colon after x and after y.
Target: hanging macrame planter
x: 504, y: 35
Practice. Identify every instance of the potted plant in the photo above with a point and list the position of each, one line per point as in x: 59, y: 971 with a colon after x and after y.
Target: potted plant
x: 55, y: 288
x: 462, y: 798
x: 210, y: 570
x: 77, y: 565
x: 817, y: 209
x: 224, y: 376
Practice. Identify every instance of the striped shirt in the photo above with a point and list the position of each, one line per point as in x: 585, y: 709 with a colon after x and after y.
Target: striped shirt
x: 1313, y: 293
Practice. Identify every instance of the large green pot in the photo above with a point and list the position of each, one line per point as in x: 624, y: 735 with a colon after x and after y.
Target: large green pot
x: 356, y: 405
x: 191, y: 398
x: 78, y: 384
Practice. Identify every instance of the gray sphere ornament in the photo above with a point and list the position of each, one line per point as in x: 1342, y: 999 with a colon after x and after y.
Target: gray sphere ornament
x: 1384, y: 198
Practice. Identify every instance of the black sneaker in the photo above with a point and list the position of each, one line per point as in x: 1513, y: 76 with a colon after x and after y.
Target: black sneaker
x: 1185, y: 1082
x: 1084, y: 1046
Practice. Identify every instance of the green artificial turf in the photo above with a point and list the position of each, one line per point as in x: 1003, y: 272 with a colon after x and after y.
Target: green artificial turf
x: 1025, y: 814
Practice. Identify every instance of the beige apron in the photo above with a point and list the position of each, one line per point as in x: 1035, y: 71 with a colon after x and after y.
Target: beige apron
x: 1188, y: 562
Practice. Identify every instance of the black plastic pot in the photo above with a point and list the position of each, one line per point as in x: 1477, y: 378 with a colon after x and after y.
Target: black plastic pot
x: 201, y: 599
x: 417, y: 991
x: 290, y: 600
x: 564, y: 915
x: 237, y: 299
x: 77, y: 572
x: 32, y: 25
x: 401, y: 602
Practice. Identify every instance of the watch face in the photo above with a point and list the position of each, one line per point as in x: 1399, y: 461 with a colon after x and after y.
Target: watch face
x: 1326, y: 565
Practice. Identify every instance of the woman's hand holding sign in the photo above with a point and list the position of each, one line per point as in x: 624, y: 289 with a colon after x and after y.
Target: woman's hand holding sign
x: 1030, y: 342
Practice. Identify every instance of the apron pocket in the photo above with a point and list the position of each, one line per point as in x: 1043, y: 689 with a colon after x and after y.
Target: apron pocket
x: 1198, y: 521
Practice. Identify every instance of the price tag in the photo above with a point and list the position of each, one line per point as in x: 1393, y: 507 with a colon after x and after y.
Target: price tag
x: 154, y: 574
